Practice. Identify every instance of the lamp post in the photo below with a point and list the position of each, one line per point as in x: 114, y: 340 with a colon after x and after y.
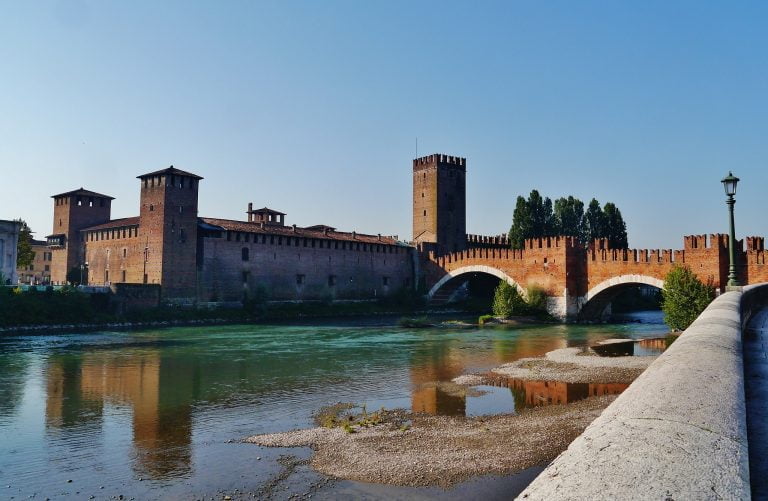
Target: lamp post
x: 729, y: 182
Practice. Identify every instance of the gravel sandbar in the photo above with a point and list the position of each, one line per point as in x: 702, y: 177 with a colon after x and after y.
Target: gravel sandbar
x: 442, y: 450
x: 569, y: 365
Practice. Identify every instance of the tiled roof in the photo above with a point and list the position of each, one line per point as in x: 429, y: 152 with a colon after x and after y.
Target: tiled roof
x: 170, y: 170
x: 115, y: 223
x: 246, y: 227
x: 84, y: 192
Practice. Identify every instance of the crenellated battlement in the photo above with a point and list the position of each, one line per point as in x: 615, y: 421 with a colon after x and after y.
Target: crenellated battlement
x: 439, y: 158
x: 488, y: 241
x: 489, y: 254
x: 551, y: 242
x: 755, y: 244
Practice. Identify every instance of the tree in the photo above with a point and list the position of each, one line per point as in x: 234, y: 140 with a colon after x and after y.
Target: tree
x: 24, y: 254
x: 615, y: 229
x: 594, y: 222
x: 506, y: 300
x: 684, y: 297
x: 569, y: 217
x: 521, y: 224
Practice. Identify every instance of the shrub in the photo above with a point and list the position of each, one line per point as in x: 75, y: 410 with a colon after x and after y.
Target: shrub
x: 536, y: 299
x: 684, y: 297
x: 506, y: 300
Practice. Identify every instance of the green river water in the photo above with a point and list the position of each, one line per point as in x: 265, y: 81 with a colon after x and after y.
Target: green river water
x: 157, y: 414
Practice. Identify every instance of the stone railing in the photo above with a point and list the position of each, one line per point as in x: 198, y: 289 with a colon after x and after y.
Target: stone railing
x: 679, y: 431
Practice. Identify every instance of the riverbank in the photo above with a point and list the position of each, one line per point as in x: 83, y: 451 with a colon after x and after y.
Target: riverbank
x: 410, y: 449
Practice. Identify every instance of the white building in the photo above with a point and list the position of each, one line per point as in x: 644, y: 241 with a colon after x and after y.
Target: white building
x: 9, y: 239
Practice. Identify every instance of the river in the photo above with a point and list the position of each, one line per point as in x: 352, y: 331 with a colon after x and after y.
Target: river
x: 155, y: 414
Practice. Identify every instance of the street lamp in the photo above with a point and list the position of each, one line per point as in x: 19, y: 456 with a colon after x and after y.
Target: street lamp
x: 729, y: 182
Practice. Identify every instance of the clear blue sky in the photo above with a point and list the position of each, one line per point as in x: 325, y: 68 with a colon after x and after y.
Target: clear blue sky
x: 313, y: 107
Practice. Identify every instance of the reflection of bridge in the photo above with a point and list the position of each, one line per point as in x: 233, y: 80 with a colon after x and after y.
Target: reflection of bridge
x: 581, y: 283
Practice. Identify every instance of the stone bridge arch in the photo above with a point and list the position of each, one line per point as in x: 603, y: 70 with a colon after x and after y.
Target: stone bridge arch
x: 455, y: 278
x: 597, y: 299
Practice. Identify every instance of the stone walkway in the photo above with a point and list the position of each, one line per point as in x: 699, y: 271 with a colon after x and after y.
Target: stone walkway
x: 756, y: 389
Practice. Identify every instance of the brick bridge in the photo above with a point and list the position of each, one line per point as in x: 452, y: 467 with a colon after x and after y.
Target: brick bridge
x: 582, y: 282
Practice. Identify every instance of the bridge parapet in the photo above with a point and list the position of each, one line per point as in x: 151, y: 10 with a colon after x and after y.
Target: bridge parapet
x: 682, y: 422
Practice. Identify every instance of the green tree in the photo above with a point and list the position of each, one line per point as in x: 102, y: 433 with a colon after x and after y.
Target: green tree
x: 615, y: 229
x: 594, y: 222
x: 569, y: 217
x: 521, y: 224
x: 506, y: 300
x: 24, y: 254
x: 684, y: 297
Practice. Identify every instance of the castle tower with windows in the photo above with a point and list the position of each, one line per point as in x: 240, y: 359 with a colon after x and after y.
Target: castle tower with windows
x: 168, y: 223
x: 439, y: 202
x: 73, y: 211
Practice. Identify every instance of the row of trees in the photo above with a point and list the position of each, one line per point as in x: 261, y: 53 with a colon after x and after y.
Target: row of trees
x: 539, y: 217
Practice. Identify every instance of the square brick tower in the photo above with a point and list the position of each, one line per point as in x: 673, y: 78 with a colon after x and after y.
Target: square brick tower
x: 73, y: 211
x: 168, y: 228
x: 440, y: 202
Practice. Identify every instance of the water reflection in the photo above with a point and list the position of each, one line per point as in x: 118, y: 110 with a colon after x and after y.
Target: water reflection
x: 80, y: 387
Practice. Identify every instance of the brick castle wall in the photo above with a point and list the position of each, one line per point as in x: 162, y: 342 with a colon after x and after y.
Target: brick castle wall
x: 320, y: 269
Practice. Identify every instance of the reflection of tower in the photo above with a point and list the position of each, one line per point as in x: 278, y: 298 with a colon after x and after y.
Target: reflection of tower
x: 66, y: 405
x: 428, y: 397
x: 79, y: 386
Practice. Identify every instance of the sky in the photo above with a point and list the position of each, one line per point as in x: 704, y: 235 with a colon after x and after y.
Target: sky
x: 314, y: 108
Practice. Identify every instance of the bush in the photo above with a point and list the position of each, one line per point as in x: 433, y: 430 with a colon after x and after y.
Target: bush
x: 506, y: 300
x: 684, y: 297
x: 536, y: 299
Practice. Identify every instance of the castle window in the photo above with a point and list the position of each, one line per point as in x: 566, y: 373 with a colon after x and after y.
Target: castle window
x: 336, y: 244
x: 299, y: 279
x: 151, y: 208
x: 296, y: 242
x: 425, y: 213
x: 237, y: 236
x: 90, y: 202
x: 181, y: 182
x: 279, y: 240
x: 385, y: 281
x: 313, y: 242
x: 229, y: 237
x: 305, y: 242
x: 288, y: 241
x: 47, y: 267
x: 422, y: 194
x: 125, y: 252
x: 263, y: 239
x: 272, y: 240
x: 101, y: 202
x: 331, y: 280
x: 145, y: 185
x: 358, y: 247
x: 181, y: 209
x: 173, y: 180
x: 244, y: 254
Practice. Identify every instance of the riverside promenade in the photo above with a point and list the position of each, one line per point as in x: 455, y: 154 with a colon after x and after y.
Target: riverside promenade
x: 692, y: 426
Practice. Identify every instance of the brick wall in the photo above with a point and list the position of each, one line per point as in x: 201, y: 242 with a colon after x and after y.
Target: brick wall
x: 276, y: 265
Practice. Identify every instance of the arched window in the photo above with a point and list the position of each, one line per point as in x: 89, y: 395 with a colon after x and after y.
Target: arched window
x: 244, y: 254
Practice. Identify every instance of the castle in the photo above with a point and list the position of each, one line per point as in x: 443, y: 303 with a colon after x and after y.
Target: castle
x: 193, y: 259
x: 198, y: 259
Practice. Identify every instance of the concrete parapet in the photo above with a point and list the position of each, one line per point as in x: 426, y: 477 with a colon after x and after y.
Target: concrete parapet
x: 678, y: 432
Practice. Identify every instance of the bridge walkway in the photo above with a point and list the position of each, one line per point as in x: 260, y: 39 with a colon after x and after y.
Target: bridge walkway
x: 755, y: 345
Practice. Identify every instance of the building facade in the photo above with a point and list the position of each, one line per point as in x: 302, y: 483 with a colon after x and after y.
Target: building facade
x: 39, y: 272
x: 203, y: 259
x: 9, y: 241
